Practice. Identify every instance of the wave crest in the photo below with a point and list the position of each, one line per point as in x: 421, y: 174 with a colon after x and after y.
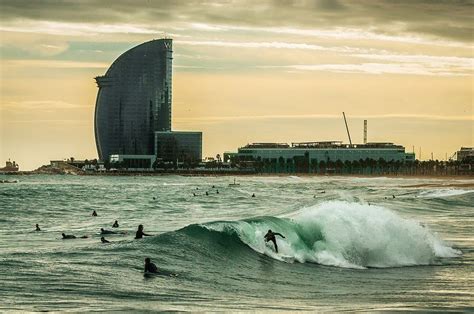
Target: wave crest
x: 338, y: 233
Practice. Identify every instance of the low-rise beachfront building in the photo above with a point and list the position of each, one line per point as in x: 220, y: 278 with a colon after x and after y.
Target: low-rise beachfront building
x: 325, y: 151
x: 465, y: 153
x: 132, y: 162
x: 309, y: 156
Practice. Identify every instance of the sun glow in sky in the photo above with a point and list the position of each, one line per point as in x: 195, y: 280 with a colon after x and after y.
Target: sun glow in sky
x: 244, y: 71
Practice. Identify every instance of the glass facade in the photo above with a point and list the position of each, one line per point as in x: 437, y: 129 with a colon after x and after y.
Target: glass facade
x: 178, y: 145
x: 134, y: 100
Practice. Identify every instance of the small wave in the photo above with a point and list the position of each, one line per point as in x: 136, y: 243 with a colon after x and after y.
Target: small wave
x: 336, y: 233
x: 440, y: 193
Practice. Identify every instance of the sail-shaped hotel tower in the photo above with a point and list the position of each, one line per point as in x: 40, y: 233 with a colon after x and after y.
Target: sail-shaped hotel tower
x: 134, y: 100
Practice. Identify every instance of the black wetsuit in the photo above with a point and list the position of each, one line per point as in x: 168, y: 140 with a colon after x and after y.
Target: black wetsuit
x: 107, y: 232
x: 151, y: 268
x: 140, y: 234
x: 68, y: 236
x: 270, y: 236
x: 115, y: 225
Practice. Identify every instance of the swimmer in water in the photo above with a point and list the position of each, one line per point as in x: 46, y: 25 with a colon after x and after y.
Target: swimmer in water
x: 217, y: 191
x: 150, y: 267
x: 140, y: 233
x: 94, y: 213
x: 253, y: 195
x: 270, y: 236
x: 103, y: 231
x: 115, y: 225
x: 37, y: 228
x: 207, y: 193
x: 68, y: 236
x: 103, y: 240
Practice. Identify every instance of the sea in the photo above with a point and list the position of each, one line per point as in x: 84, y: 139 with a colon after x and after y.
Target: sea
x: 350, y: 243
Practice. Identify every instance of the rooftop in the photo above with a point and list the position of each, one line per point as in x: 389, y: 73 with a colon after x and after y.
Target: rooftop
x: 323, y: 144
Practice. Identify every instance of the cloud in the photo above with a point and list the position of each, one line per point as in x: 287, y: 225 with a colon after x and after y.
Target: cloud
x: 219, y: 119
x: 443, y: 19
x: 39, y: 105
x: 76, y: 29
x: 378, y: 68
x: 54, y: 64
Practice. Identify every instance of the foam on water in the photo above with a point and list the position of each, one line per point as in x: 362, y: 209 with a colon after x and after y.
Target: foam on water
x: 343, y: 234
x: 440, y: 193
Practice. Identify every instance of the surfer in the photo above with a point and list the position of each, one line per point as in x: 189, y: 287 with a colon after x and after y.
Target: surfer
x: 115, y: 225
x: 270, y: 236
x: 103, y: 240
x: 37, y: 228
x: 94, y: 213
x: 70, y: 236
x: 150, y: 267
x: 103, y: 231
x: 140, y: 233
x: 253, y: 195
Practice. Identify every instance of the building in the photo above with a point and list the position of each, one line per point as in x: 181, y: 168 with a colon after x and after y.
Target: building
x: 465, y: 153
x: 321, y: 151
x: 137, y: 162
x: 10, y: 166
x: 134, y: 100
x: 180, y: 146
x: 133, y: 110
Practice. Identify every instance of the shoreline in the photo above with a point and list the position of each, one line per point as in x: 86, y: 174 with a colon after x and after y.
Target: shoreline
x: 247, y: 174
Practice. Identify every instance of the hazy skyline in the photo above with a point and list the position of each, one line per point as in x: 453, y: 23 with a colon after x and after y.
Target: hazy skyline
x: 280, y: 71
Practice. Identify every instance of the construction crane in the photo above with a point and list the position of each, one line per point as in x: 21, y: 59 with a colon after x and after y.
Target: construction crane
x: 347, y: 128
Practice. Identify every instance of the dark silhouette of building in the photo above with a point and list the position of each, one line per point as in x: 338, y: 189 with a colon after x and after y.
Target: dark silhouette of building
x: 134, y: 100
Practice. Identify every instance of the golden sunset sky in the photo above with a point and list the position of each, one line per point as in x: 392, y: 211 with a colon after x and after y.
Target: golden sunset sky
x: 244, y: 71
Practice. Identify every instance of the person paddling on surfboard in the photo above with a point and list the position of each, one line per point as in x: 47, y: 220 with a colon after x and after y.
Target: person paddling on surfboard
x: 150, y: 267
x: 270, y: 236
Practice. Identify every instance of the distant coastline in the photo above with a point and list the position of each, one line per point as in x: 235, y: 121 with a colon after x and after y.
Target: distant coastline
x: 211, y: 173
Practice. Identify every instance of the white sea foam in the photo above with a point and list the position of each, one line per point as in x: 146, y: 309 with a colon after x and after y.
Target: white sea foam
x: 441, y: 193
x: 344, y: 234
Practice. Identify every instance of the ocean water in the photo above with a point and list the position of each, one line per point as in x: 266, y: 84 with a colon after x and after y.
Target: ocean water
x: 349, y: 244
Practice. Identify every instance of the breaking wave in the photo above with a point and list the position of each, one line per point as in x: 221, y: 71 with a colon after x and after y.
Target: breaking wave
x: 440, y: 193
x: 334, y: 233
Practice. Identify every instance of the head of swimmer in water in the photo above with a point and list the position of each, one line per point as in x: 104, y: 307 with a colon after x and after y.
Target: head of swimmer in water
x: 140, y: 227
x: 63, y: 235
x: 147, y: 260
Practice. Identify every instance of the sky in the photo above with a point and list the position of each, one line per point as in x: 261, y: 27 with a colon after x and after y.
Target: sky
x: 244, y: 71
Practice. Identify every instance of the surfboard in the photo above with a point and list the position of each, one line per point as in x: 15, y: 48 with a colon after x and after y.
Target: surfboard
x: 287, y: 258
x: 165, y: 274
